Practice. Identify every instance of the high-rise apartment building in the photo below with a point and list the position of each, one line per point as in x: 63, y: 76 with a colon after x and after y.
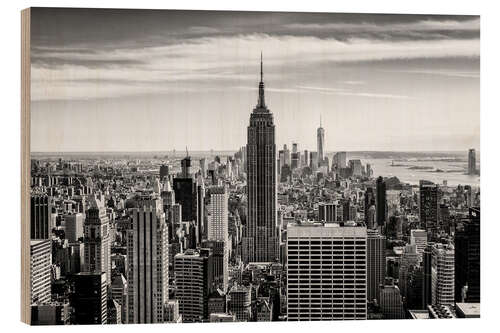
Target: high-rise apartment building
x: 443, y: 274
x: 326, y: 277
x: 147, y: 273
x: 261, y: 242
x: 97, y: 246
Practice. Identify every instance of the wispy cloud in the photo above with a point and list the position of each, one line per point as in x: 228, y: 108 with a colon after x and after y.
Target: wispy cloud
x: 346, y: 92
x: 456, y: 74
x: 422, y: 25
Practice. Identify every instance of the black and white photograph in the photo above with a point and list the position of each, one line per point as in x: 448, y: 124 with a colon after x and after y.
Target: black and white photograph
x: 203, y: 166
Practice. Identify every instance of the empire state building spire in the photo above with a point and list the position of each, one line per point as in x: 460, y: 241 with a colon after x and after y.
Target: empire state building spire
x: 261, y: 241
x: 262, y: 103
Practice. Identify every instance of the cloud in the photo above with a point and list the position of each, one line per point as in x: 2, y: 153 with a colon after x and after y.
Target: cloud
x: 353, y: 83
x: 421, y: 25
x: 346, y: 92
x: 56, y: 72
x: 457, y: 74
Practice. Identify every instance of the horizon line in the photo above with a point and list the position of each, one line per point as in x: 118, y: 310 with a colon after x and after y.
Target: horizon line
x: 235, y: 150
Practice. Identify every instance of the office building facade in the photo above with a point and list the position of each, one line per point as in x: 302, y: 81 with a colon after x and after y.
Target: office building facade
x: 326, y: 277
x: 147, y: 273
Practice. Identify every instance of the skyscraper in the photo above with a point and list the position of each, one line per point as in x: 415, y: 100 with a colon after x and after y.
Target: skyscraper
x: 119, y: 293
x: 471, y: 165
x: 340, y: 159
x: 218, y: 236
x: 218, y: 218
x: 419, y: 239
x: 427, y: 276
x: 185, y: 194
x: 200, y: 209
x: 97, y: 247
x: 147, y: 273
x: 381, y: 201
x: 375, y: 263
x: 40, y: 222
x: 193, y: 278
x: 203, y: 167
x: 313, y: 160
x: 321, y: 142
x: 409, y: 260
x: 286, y: 156
x: 443, y: 274
x: 326, y: 272
x: 356, y: 167
x: 391, y: 302
x: 467, y: 259
x: 89, y: 300
x: 429, y: 206
x: 40, y: 264
x: 73, y: 227
x: 164, y: 171
x: 186, y: 166
x: 261, y: 242
x: 240, y: 302
x: 369, y: 201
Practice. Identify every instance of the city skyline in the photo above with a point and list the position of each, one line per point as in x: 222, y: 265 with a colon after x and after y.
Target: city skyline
x: 358, y: 71
x: 268, y: 230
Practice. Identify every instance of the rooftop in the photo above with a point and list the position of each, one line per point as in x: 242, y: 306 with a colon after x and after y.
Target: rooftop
x: 469, y: 309
x: 318, y: 229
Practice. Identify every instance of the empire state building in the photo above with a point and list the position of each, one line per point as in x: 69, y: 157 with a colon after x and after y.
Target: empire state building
x: 260, y: 242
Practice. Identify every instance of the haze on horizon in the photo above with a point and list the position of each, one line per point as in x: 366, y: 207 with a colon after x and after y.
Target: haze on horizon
x: 144, y: 80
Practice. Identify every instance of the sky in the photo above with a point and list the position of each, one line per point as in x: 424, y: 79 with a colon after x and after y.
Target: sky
x: 157, y: 80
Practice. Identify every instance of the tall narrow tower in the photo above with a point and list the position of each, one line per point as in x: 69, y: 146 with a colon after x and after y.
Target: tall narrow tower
x: 321, y: 142
x: 97, y: 257
x: 260, y: 242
